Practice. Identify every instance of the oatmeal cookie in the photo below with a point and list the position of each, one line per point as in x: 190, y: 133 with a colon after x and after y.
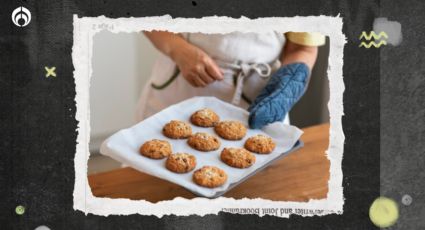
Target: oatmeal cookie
x: 230, y: 130
x: 205, y: 118
x: 180, y: 162
x: 260, y: 144
x: 177, y: 130
x: 237, y: 157
x: 204, y: 142
x: 156, y: 149
x: 210, y: 177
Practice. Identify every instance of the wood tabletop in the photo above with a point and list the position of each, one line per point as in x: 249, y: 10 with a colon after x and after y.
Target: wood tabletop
x: 300, y: 176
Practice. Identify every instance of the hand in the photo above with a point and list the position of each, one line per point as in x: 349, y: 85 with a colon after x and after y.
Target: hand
x: 284, y: 89
x: 196, y: 66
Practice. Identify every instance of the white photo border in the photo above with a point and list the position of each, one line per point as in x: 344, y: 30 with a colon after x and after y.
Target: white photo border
x: 84, y: 30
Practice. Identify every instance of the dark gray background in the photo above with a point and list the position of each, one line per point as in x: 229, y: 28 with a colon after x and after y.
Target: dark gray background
x: 403, y: 113
x: 38, y: 126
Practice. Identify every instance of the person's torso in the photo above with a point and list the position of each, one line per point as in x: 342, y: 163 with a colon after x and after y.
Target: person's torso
x: 237, y: 46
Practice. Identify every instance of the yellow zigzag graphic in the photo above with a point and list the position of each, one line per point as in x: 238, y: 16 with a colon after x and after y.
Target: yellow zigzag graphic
x: 372, y: 34
x: 372, y: 43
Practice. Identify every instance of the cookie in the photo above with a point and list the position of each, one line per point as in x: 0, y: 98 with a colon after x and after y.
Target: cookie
x: 237, y: 157
x: 230, y: 130
x: 260, y: 144
x: 177, y: 130
x: 205, y: 118
x: 156, y: 149
x: 180, y: 162
x: 204, y: 142
x: 209, y: 176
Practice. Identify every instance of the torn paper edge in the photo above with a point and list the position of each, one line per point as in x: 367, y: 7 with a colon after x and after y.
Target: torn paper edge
x: 84, y: 30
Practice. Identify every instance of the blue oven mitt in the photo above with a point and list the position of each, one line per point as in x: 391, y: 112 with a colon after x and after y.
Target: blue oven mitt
x: 284, y: 89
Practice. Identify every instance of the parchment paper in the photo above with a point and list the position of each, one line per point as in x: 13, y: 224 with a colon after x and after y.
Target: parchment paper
x: 123, y: 146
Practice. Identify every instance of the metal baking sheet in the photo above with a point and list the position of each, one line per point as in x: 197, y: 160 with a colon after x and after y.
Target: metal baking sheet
x: 297, y: 146
x: 124, y: 145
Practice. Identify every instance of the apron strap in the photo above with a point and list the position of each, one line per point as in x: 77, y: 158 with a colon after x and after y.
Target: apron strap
x: 168, y: 82
x: 263, y: 70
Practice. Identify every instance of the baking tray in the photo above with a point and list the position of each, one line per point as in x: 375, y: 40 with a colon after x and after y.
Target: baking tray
x: 123, y: 146
x: 297, y: 146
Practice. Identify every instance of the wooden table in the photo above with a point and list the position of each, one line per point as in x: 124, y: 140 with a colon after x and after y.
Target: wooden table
x: 300, y: 176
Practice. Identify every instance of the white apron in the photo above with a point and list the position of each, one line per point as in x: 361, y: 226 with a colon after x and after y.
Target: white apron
x: 247, y: 60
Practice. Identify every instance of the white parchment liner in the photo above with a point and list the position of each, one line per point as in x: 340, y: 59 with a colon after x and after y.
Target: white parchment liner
x: 124, y: 145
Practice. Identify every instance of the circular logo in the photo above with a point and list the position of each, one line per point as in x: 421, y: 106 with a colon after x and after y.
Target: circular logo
x: 21, y: 16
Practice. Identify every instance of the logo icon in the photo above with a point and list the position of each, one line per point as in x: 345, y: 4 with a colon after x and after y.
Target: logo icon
x: 21, y: 16
x: 376, y: 37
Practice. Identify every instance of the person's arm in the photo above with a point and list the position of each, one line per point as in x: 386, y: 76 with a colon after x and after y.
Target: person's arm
x: 287, y: 85
x: 293, y: 53
x: 194, y: 64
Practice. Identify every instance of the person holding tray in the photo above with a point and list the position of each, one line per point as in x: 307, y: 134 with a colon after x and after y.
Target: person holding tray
x: 265, y: 73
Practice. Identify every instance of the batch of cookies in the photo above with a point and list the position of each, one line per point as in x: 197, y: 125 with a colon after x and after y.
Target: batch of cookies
x: 207, y: 176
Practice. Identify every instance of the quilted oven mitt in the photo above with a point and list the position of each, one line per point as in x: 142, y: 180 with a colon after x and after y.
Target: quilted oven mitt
x: 284, y: 89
